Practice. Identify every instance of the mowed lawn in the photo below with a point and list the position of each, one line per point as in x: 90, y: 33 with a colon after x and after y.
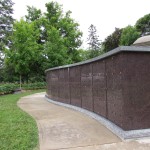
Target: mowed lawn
x: 18, y: 130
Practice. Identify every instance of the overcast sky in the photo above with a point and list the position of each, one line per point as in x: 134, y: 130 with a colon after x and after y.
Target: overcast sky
x: 104, y: 14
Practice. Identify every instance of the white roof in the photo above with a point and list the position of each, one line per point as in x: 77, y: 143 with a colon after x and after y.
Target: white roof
x: 143, y: 41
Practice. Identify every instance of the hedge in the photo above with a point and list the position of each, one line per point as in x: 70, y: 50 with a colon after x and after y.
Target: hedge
x: 7, y: 88
x: 12, y: 87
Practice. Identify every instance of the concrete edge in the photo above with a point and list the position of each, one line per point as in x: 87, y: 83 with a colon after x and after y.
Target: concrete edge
x: 124, y: 135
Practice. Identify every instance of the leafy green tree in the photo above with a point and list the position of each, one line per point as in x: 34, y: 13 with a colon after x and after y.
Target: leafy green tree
x: 42, y: 41
x: 24, y: 53
x: 67, y: 29
x: 7, y: 74
x: 93, y: 42
x: 54, y: 21
x: 36, y: 17
x: 112, y: 41
x: 71, y: 36
x: 55, y: 51
x: 33, y: 14
x: 143, y: 25
x: 129, y: 35
x: 6, y: 22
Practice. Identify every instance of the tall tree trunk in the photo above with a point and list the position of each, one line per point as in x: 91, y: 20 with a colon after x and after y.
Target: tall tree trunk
x: 20, y: 82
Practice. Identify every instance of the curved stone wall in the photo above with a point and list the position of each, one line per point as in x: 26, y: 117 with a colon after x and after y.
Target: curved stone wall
x: 115, y: 85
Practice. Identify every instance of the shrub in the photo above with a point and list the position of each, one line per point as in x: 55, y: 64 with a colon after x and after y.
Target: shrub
x: 34, y: 86
x: 11, y: 87
x: 7, y: 88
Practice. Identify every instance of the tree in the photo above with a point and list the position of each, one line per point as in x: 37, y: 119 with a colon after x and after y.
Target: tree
x: 24, y: 53
x: 67, y: 29
x: 33, y: 14
x: 55, y: 52
x: 6, y: 22
x: 42, y: 41
x: 143, y: 25
x: 129, y: 35
x: 112, y: 41
x: 36, y: 17
x: 71, y: 36
x: 93, y: 42
x: 59, y: 35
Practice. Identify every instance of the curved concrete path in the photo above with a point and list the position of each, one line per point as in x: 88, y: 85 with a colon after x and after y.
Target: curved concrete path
x: 65, y: 129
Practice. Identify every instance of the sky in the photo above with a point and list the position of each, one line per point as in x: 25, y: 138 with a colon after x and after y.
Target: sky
x: 104, y: 14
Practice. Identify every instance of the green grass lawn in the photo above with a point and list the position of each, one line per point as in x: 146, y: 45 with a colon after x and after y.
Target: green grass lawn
x: 18, y: 130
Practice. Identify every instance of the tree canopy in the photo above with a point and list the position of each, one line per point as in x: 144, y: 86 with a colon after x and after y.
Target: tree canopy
x: 6, y: 22
x: 23, y: 55
x: 44, y: 40
x: 143, y: 25
x: 33, y: 14
x: 129, y: 35
x: 112, y: 41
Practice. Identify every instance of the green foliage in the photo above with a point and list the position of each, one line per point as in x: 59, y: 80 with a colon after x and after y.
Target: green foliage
x: 7, y: 74
x: 143, y: 25
x: 93, y: 53
x: 86, y: 54
x: 24, y: 53
x: 18, y: 130
x: 7, y: 88
x: 6, y: 22
x: 62, y: 36
x: 55, y: 51
x: 34, y: 86
x: 11, y: 87
x: 33, y: 14
x: 129, y: 35
x: 43, y: 41
x: 112, y: 41
x: 83, y: 54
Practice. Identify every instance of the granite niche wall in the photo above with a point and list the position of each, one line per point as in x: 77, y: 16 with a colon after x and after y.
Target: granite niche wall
x: 115, y: 85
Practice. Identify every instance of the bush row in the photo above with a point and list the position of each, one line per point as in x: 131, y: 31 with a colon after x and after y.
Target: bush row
x: 34, y: 86
x: 7, y: 88
x: 11, y: 87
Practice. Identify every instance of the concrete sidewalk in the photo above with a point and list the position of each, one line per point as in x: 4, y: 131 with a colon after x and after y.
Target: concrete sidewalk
x: 65, y: 129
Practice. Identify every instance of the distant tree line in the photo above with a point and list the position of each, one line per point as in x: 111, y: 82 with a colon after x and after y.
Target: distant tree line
x: 126, y: 36
x: 120, y: 37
